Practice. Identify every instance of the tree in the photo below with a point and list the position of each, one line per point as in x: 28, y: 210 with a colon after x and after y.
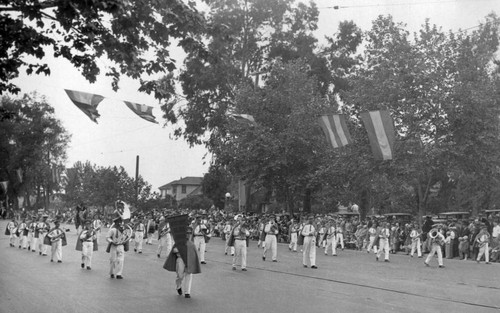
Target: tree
x: 441, y: 97
x: 34, y: 143
x: 134, y: 35
x: 215, y: 185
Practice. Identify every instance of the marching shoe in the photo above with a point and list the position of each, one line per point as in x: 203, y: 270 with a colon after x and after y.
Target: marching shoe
x: 187, y: 295
x: 426, y: 264
x: 305, y: 265
x: 179, y: 291
x: 263, y: 258
x: 441, y: 266
x: 119, y: 277
x: 40, y: 253
x: 386, y: 261
x: 83, y: 265
x: 88, y: 267
x: 314, y: 266
x: 59, y: 261
x: 234, y: 268
x: 376, y: 258
x: 244, y: 269
x: 112, y: 276
x: 51, y: 260
x: 158, y: 255
x: 232, y: 254
x: 275, y: 260
x: 225, y: 253
x: 203, y: 262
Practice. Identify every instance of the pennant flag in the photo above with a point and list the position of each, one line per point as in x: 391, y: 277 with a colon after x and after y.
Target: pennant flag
x: 380, y: 130
x: 55, y: 175
x: 5, y: 185
x: 87, y: 102
x: 144, y: 111
x: 20, y: 174
x: 335, y: 129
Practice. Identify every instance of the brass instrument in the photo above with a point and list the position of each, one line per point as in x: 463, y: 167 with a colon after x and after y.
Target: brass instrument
x: 125, y: 236
x: 55, y: 238
x: 165, y: 230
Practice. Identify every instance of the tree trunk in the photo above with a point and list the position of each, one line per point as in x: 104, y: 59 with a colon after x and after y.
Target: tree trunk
x: 363, y: 204
x: 307, y: 201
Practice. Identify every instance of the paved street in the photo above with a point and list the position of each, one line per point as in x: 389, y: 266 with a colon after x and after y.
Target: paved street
x: 350, y: 282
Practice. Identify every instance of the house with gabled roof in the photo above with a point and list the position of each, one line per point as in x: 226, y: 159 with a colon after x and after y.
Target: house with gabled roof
x: 182, y: 188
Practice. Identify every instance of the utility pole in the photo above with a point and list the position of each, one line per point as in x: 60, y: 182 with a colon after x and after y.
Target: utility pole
x: 137, y: 182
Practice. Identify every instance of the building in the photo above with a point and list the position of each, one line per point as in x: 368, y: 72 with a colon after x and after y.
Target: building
x: 182, y: 188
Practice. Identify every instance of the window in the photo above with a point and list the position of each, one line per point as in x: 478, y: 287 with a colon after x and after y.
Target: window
x: 183, y: 189
x: 174, y: 190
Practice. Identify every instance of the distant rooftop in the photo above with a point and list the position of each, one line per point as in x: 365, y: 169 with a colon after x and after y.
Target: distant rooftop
x: 189, y: 180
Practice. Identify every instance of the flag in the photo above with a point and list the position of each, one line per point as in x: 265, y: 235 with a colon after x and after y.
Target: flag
x: 244, y: 118
x: 5, y: 185
x: 55, y: 175
x: 380, y: 130
x: 144, y: 111
x: 87, y: 102
x: 335, y: 129
x: 19, y: 173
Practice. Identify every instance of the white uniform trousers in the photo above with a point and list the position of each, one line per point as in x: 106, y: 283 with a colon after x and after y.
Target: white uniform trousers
x: 340, y: 238
x: 23, y: 240
x: 383, y: 246
x: 271, y: 243
x: 41, y: 247
x: 309, y: 254
x: 56, y: 250
x: 87, y: 251
x: 31, y: 241
x: 116, y: 259
x: 199, y: 243
x: 415, y: 244
x: 182, y: 276
x: 228, y: 248
x: 149, y: 240
x: 167, y: 242
x: 484, y: 250
x: 293, y: 242
x: 371, y: 245
x: 12, y: 239
x: 331, y: 242
x: 435, y: 248
x: 240, y: 253
x: 139, y: 239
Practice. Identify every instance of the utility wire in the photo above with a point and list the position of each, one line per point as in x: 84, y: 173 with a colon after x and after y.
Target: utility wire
x: 337, y: 7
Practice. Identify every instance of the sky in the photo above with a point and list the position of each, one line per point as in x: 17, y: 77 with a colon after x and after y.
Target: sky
x: 120, y: 135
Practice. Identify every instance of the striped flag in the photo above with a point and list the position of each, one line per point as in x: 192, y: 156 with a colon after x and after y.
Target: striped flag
x: 244, y: 118
x: 87, y: 102
x: 144, y: 111
x: 55, y: 175
x: 335, y: 129
x: 380, y: 130
x: 5, y: 185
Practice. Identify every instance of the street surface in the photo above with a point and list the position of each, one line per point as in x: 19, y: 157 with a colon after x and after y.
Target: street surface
x: 350, y: 282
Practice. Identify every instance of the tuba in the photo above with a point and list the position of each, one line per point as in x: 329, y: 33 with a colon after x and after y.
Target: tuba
x: 125, y: 236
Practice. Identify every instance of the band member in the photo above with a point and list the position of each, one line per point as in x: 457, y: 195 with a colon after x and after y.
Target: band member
x: 42, y: 227
x: 57, y: 239
x: 22, y: 231
x: 330, y: 238
x: 11, y: 232
x: 227, y: 232
x: 150, y: 230
x: 294, y: 231
x: 373, y: 239
x: 164, y: 237
x: 139, y: 235
x: 415, y: 241
x: 199, y: 232
x: 239, y: 240
x: 309, y: 254
x: 339, y: 229
x: 383, y: 242
x: 118, y: 240
x: 271, y: 242
x: 31, y: 234
x: 483, y: 239
x: 87, y: 243
x: 436, y: 239
x: 183, y: 259
x: 97, y: 224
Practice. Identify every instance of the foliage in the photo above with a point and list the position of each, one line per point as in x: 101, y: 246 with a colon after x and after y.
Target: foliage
x: 134, y: 35
x: 215, y: 185
x: 198, y: 202
x: 33, y: 141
